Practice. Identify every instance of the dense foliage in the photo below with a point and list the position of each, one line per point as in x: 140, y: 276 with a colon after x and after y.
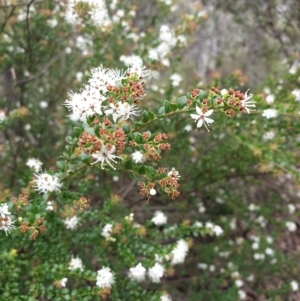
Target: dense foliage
x: 125, y: 176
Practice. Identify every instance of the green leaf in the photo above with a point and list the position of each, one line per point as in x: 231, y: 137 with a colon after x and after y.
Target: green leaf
x: 170, y: 107
x: 161, y: 111
x: 145, y: 116
x: 142, y: 170
x: 60, y: 165
x: 167, y: 106
x: 126, y: 128
x: 137, y: 137
x: 202, y: 94
x: 138, y: 124
x: 77, y: 131
x: 85, y: 158
x: 151, y: 115
x: 96, y: 131
x: 128, y: 164
x: 181, y: 102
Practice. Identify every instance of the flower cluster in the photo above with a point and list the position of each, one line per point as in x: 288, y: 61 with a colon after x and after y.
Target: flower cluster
x: 34, y: 163
x: 105, y: 278
x: 6, y: 223
x: 46, y: 183
x: 227, y: 101
x: 109, y: 92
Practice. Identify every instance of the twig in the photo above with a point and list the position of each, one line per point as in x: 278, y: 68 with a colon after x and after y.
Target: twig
x: 5, y: 22
x: 43, y: 71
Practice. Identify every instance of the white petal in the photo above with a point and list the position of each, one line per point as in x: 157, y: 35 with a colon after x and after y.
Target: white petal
x: 208, y: 120
x: 200, y: 123
x: 208, y: 113
x: 199, y: 111
x: 194, y: 116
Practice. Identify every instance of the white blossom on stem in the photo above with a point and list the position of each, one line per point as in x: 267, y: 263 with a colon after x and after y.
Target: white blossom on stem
x: 105, y: 155
x: 137, y: 157
x: 46, y: 183
x: 6, y: 224
x: 202, y: 118
x: 105, y: 278
x: 75, y: 264
x: 137, y: 273
x: 156, y: 272
x: 180, y: 252
x: 36, y: 164
x: 4, y: 210
x: 106, y: 231
x: 72, y: 222
x: 159, y: 218
x: 248, y: 102
x: 270, y: 113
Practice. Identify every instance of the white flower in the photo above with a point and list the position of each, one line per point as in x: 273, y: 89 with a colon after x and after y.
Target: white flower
x: 137, y: 273
x: 49, y: 206
x: 165, y: 297
x: 198, y: 224
x: 137, y: 157
x: 156, y: 272
x: 202, y: 266
x: 75, y: 263
x: 201, y: 208
x: 180, y: 252
x: 224, y: 92
x: 122, y: 110
x: 131, y: 60
x: 102, y: 77
x: 115, y: 178
x: 63, y: 282
x: 291, y: 208
x: 253, y: 207
x: 105, y: 278
x: 247, y: 102
x: 152, y: 191
x: 259, y: 256
x: 295, y: 92
x: 2, y: 116
x: 36, y: 164
x: 242, y: 295
x: 106, y: 231
x: 105, y: 155
x: 239, y: 283
x: 175, y: 79
x: 174, y: 174
x: 188, y: 128
x: 139, y: 69
x: 71, y: 223
x: 295, y: 286
x: 270, y: 113
x: 270, y: 99
x: 114, y: 110
x: 46, y: 183
x: 85, y: 104
x: 217, y: 230
x: 6, y: 224
x: 269, y: 251
x: 291, y: 226
x: 159, y: 218
x: 202, y: 117
x: 43, y: 104
x: 269, y: 135
x: 4, y: 210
